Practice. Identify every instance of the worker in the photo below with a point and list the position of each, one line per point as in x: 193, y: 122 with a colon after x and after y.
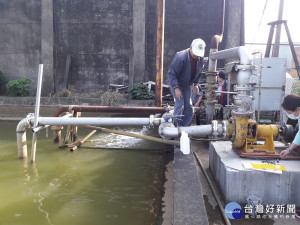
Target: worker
x: 183, y: 75
x: 291, y: 105
x: 222, y: 86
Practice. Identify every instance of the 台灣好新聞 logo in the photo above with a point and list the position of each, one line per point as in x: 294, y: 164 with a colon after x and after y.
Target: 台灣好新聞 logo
x: 233, y: 210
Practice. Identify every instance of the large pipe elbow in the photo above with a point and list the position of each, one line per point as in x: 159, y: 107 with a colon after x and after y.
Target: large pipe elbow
x: 214, y: 46
x: 240, y: 52
x: 245, y: 55
x: 24, y: 123
x: 215, y: 41
x: 21, y: 135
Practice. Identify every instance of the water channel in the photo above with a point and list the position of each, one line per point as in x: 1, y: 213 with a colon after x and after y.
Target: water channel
x: 88, y: 186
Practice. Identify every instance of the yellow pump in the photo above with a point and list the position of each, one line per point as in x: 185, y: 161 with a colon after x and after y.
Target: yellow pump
x: 245, y: 133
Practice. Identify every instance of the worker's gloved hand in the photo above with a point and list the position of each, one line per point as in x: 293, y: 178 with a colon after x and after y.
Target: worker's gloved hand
x: 284, y: 153
x: 178, y: 93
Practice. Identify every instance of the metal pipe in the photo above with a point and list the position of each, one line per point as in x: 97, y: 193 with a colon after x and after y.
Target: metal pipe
x: 241, y: 52
x: 38, y: 96
x: 37, y: 129
x: 227, y: 92
x: 99, y: 121
x: 37, y: 111
x: 259, y: 90
x: 214, y: 45
x: 243, y: 99
x: 109, y: 109
x: 21, y: 135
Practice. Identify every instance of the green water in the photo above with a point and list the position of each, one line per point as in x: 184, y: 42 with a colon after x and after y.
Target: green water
x: 88, y: 186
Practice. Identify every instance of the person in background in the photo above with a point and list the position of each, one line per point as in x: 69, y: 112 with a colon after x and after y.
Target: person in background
x: 184, y: 75
x: 291, y: 105
x: 222, y: 86
x: 196, y: 98
x: 196, y: 101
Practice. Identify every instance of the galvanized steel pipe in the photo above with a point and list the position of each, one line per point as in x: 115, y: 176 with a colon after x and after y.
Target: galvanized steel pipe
x: 99, y: 121
x: 37, y: 111
x: 192, y: 131
x: 238, y: 52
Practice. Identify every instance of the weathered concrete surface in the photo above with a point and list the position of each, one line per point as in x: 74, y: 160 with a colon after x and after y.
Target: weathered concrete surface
x: 47, y: 42
x: 189, y: 205
x: 236, y: 183
x: 108, y: 41
x: 56, y: 101
x: 20, y: 39
x: 139, y: 42
x: 98, y: 36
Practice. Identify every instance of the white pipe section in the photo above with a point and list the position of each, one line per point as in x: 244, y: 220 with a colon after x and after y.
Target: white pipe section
x: 196, y: 131
x: 241, y: 52
x: 99, y: 121
x: 37, y: 111
x: 38, y: 96
x: 37, y: 129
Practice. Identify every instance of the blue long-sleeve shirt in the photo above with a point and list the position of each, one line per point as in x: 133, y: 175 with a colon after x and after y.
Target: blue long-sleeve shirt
x: 296, y: 140
x: 179, y: 73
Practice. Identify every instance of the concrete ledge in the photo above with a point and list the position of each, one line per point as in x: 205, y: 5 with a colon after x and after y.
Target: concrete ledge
x: 237, y: 183
x: 56, y: 101
x: 189, y: 205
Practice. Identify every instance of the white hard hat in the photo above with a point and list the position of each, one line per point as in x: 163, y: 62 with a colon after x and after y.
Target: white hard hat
x: 198, y: 47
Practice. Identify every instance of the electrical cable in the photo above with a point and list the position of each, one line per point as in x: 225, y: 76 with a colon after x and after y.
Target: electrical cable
x: 262, y: 15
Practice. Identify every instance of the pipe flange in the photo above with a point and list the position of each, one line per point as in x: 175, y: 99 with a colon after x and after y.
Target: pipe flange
x: 241, y: 88
x: 30, y: 119
x: 244, y: 67
x: 151, y: 121
x: 225, y: 128
x: 238, y: 113
x: 214, y: 124
x: 161, y: 128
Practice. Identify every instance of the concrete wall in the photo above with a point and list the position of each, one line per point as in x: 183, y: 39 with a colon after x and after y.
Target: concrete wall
x: 98, y: 36
x: 106, y: 41
x: 20, y: 39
